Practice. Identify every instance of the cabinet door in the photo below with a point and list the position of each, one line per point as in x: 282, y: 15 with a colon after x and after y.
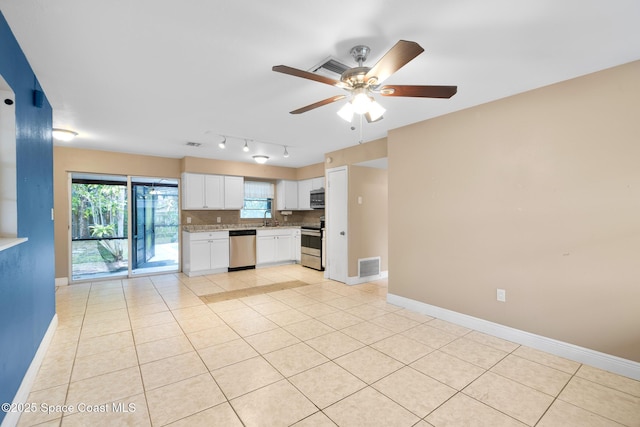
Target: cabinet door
x: 287, y: 192
x: 317, y: 183
x: 214, y: 191
x: 233, y: 192
x: 200, y: 255
x: 192, y: 191
x: 265, y: 249
x: 284, y: 247
x: 297, y: 243
x: 219, y: 253
x: 304, y: 194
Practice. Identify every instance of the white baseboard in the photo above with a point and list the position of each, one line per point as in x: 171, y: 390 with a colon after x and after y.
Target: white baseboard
x: 11, y: 418
x: 608, y: 362
x: 62, y: 281
x: 355, y: 280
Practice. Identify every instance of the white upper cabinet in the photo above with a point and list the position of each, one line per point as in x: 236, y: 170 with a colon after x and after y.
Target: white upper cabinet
x: 287, y: 194
x: 304, y: 191
x: 233, y: 192
x: 317, y: 183
x: 216, y: 192
x: 304, y: 194
x: 213, y: 192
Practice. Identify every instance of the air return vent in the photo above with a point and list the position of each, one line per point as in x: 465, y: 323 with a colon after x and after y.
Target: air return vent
x: 368, y: 267
x: 330, y: 67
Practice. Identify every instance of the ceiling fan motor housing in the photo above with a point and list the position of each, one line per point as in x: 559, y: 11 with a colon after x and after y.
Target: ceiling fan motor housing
x: 355, y: 77
x: 360, y: 53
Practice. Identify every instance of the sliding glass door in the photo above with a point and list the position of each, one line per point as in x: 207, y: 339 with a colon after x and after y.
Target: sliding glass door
x: 99, y: 226
x: 155, y: 214
x: 101, y: 234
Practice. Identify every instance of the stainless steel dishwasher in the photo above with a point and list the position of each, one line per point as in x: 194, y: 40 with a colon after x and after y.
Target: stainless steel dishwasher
x: 242, y: 249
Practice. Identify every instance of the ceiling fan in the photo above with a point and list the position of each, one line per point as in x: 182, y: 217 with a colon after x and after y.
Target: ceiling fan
x: 362, y: 82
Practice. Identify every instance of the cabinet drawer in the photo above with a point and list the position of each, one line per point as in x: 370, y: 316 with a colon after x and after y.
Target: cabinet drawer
x: 208, y: 235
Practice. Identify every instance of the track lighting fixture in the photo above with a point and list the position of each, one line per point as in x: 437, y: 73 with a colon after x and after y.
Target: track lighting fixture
x: 255, y: 147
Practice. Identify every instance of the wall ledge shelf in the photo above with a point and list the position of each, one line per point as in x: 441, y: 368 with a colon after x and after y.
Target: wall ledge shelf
x: 9, y: 242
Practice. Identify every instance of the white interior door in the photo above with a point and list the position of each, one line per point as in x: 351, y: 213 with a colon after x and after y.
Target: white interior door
x: 337, y: 215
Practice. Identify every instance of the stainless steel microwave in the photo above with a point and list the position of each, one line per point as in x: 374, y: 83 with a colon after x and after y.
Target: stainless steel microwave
x: 317, y: 199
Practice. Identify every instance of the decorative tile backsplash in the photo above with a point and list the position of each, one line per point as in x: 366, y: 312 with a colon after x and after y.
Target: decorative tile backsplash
x: 208, y: 220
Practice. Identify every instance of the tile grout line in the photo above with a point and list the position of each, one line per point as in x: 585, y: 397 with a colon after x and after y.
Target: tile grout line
x: 135, y: 348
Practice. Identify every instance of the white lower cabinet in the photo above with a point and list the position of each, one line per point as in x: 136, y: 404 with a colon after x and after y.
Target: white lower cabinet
x: 297, y: 245
x: 275, y: 246
x: 205, y: 252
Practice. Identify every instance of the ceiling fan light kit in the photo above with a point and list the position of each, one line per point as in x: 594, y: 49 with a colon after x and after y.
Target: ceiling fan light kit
x: 362, y: 82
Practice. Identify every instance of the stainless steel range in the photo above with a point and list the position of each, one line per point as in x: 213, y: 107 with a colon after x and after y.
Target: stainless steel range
x: 311, y: 247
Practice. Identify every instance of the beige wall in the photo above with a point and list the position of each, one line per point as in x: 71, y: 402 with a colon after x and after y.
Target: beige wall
x: 373, y: 150
x: 368, y: 221
x: 311, y: 171
x: 537, y: 194
x: 223, y: 167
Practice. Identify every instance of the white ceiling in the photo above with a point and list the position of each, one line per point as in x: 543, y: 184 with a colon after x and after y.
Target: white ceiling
x: 146, y: 76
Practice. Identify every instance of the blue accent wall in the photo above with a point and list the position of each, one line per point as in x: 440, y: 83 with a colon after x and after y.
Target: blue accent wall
x: 27, y: 277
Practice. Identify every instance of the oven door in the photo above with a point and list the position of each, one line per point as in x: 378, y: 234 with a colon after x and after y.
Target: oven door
x: 311, y: 248
x: 311, y: 239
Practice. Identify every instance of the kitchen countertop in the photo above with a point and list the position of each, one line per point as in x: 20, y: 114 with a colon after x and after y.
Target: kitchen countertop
x: 224, y: 227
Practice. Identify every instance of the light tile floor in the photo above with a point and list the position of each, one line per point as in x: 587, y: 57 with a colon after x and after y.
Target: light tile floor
x: 148, y: 351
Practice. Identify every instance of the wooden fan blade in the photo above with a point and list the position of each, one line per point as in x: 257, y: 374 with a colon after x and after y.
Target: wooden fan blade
x: 419, y: 91
x: 306, y: 75
x: 318, y: 104
x: 399, y: 55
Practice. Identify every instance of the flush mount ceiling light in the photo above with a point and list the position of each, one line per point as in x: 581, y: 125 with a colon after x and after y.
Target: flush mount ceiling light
x: 222, y: 144
x: 63, y: 134
x: 261, y: 159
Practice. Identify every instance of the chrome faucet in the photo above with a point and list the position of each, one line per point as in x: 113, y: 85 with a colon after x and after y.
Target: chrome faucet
x: 266, y: 223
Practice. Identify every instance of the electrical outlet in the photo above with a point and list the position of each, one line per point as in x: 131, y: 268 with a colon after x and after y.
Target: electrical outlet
x: 501, y: 295
x: 219, y: 220
x: 188, y: 220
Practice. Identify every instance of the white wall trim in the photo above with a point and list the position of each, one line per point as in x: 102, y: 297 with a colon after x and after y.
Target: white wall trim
x: 608, y: 362
x: 355, y: 280
x: 11, y: 418
x: 62, y: 281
